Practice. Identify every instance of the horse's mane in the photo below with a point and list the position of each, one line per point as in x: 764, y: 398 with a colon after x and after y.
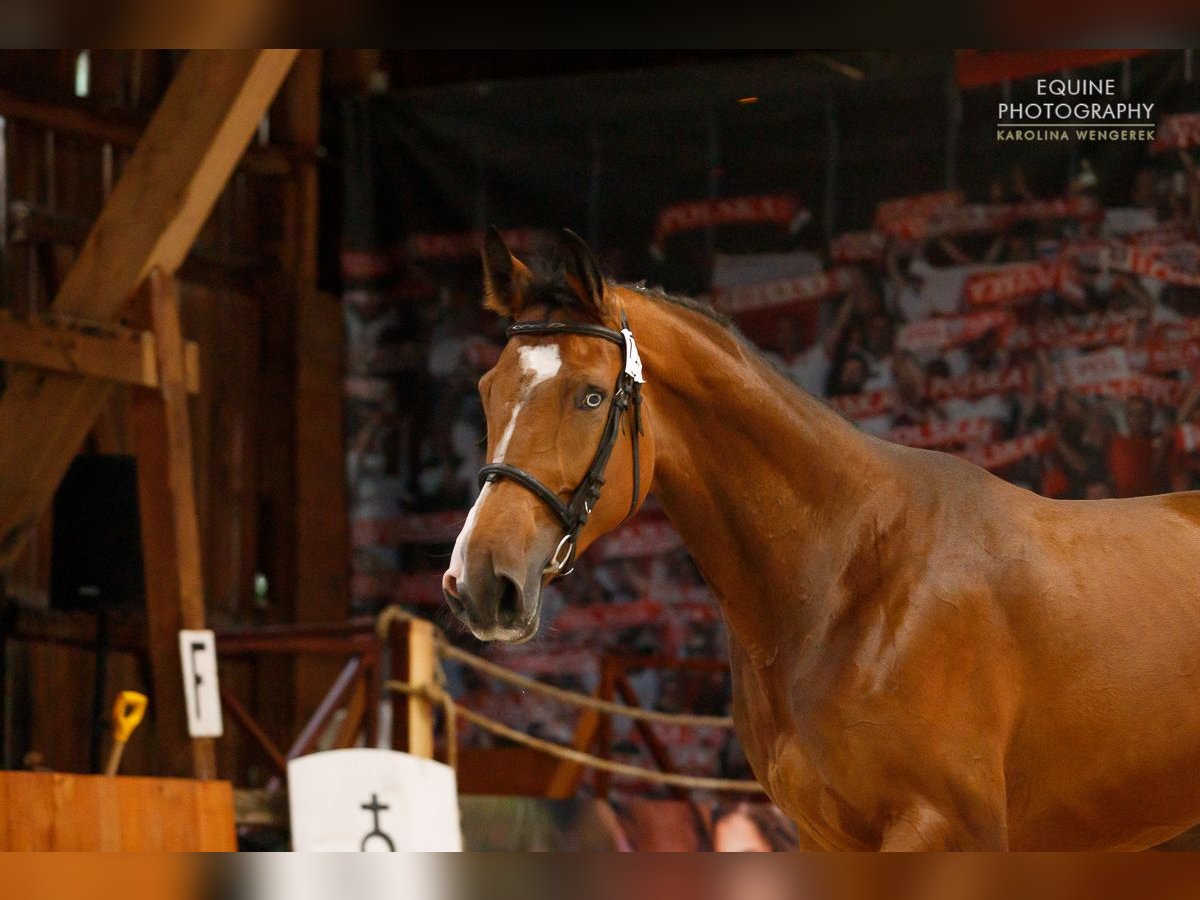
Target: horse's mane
x: 550, y: 288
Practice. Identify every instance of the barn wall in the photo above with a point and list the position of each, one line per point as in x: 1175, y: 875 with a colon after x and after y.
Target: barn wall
x: 250, y: 277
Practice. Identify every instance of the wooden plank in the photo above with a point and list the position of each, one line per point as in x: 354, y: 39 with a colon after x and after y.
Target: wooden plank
x: 122, y: 354
x: 165, y: 193
x: 217, y: 833
x: 58, y: 811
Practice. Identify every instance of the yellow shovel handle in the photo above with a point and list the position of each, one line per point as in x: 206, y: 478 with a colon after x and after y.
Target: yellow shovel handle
x: 127, y: 714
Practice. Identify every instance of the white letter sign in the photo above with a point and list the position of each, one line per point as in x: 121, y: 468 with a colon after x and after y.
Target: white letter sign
x: 201, y: 693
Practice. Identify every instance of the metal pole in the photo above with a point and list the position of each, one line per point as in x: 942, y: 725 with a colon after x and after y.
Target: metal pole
x: 595, y: 179
x: 714, y: 175
x: 954, y: 115
x: 832, y: 150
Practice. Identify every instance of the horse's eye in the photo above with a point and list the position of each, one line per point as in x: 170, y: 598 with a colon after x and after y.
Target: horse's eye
x: 593, y: 399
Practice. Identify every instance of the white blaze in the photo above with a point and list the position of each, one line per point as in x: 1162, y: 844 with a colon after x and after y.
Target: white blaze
x: 538, y: 364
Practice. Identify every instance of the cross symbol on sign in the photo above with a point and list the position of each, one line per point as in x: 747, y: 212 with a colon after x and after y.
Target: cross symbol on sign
x: 375, y: 808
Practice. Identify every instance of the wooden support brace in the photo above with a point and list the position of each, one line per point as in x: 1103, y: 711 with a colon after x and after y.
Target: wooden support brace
x: 170, y: 529
x: 109, y: 352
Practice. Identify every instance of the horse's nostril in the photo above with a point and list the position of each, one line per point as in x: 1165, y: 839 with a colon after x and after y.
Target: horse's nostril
x: 508, y: 607
x: 455, y: 603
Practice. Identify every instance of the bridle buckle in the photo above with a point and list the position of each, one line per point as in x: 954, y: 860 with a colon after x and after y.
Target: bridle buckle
x: 561, y: 556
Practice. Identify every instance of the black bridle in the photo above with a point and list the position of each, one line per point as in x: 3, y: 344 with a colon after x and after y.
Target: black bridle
x: 627, y: 395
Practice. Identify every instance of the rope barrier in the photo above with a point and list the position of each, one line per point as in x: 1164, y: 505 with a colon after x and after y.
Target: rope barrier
x: 606, y: 706
x: 446, y: 649
x: 693, y: 782
x: 438, y: 695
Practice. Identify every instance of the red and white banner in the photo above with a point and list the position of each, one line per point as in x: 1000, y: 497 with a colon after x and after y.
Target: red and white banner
x: 1093, y: 368
x: 972, y: 385
x: 908, y: 218
x: 1173, y: 357
x: 1016, y: 283
x: 970, y: 219
x: 778, y: 209
x: 969, y: 386
x: 944, y: 434
x: 1076, y: 331
x: 1080, y: 206
x: 1160, y: 391
x: 952, y: 331
x: 1177, y: 132
x: 784, y: 292
x: 1171, y: 332
x: 857, y: 247
x: 945, y: 213
x: 1002, y: 454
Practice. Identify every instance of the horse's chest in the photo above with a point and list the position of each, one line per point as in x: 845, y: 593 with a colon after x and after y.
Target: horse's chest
x: 782, y: 756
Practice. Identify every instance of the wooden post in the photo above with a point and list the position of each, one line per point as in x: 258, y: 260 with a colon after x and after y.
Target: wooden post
x: 414, y: 660
x: 608, y: 676
x: 170, y: 530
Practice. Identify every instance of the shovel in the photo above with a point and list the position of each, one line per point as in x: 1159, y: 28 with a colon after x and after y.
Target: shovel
x: 126, y: 716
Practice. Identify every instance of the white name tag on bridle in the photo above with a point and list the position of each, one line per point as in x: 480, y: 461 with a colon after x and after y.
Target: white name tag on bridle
x: 633, y: 362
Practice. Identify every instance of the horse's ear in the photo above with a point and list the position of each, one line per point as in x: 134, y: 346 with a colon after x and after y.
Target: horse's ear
x: 583, y: 272
x: 504, y: 276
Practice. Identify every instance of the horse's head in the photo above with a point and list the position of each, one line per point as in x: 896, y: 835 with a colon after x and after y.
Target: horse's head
x: 554, y: 402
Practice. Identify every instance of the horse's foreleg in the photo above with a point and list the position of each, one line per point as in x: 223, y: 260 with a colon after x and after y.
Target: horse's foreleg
x: 922, y: 826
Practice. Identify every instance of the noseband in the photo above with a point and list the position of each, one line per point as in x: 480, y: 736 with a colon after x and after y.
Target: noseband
x: 627, y: 395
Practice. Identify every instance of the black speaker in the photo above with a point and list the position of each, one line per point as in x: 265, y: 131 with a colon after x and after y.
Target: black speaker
x: 96, y: 552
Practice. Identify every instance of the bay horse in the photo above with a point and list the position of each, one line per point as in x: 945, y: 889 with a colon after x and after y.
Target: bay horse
x: 923, y: 655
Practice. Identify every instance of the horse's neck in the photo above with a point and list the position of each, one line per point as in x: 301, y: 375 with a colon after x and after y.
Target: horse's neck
x: 757, y: 475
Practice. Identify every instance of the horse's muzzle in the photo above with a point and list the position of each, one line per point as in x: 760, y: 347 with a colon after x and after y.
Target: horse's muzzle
x: 495, y: 607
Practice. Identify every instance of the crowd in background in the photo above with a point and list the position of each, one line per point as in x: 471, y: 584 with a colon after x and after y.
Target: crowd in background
x: 1065, y: 390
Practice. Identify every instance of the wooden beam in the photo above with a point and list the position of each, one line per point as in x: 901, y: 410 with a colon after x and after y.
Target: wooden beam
x: 76, y: 118
x: 321, y: 525
x: 165, y: 193
x: 111, y: 353
x: 170, y: 532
